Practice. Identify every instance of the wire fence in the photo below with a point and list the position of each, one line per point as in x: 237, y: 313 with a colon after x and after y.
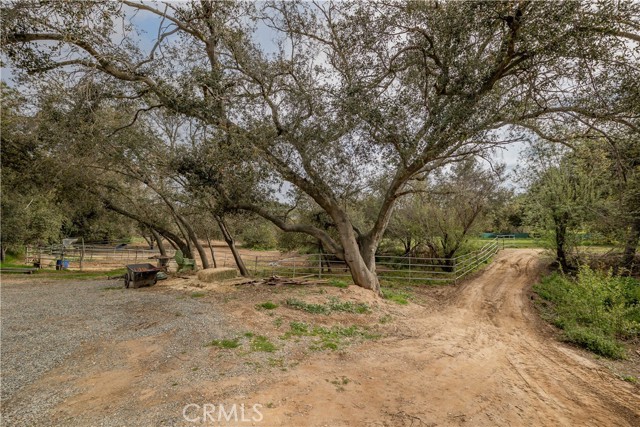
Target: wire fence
x: 393, y: 268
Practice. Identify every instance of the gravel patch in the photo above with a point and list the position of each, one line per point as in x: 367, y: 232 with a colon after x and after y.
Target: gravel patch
x: 44, y: 324
x: 90, y: 353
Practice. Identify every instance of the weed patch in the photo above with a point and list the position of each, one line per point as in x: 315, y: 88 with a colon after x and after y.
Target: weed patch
x: 328, y: 338
x: 338, y: 283
x: 227, y: 343
x: 398, y: 297
x: 262, y: 343
x: 595, y: 310
x: 334, y: 304
x: 268, y: 305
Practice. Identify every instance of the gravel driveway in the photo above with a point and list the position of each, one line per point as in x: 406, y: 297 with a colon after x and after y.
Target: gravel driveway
x: 66, y: 328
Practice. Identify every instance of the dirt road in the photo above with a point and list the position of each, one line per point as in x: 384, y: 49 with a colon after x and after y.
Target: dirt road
x: 481, y: 361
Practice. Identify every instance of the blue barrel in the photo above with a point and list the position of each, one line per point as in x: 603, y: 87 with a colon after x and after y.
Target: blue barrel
x: 65, y: 264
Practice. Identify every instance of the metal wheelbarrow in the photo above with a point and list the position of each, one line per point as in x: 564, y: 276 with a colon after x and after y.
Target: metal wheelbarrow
x: 139, y: 275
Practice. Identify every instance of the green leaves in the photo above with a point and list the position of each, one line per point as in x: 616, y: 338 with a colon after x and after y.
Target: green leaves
x: 594, y: 309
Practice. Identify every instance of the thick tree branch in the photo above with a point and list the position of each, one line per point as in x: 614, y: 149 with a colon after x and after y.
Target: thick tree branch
x: 319, y: 234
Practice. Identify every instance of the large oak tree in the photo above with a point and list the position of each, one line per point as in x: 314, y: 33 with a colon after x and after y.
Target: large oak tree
x: 349, y: 93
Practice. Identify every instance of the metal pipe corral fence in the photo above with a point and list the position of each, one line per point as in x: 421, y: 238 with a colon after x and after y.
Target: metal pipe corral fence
x: 415, y: 269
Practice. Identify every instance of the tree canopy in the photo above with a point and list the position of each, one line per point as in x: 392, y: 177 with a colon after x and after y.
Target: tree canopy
x: 349, y: 97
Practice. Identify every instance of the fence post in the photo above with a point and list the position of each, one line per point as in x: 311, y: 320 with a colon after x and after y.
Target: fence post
x: 82, y: 255
x: 256, y: 265
x: 320, y: 266
x: 294, y: 267
x: 409, y: 267
x: 455, y: 271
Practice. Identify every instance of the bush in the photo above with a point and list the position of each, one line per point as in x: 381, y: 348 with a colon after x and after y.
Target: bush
x: 594, y: 341
x: 259, y: 236
x: 299, y: 242
x: 594, y: 309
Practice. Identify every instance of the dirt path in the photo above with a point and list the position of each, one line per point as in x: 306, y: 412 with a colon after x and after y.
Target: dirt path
x: 474, y: 355
x: 480, y: 361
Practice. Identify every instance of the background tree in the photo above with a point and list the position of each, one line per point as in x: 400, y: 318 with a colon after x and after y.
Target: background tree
x: 567, y: 191
x: 451, y: 208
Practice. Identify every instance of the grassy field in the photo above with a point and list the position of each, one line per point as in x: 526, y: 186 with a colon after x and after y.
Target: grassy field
x: 12, y: 261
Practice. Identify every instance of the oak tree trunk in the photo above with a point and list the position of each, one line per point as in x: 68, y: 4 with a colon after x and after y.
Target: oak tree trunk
x: 194, y: 239
x: 158, y: 240
x: 631, y: 246
x: 213, y: 255
x: 232, y: 246
x: 359, y: 256
x: 561, y: 241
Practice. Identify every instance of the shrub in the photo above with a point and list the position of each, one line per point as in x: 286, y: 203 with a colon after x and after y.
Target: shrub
x: 596, y: 342
x: 259, y: 236
x: 594, y: 309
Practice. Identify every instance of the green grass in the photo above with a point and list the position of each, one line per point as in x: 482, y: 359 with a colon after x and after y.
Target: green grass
x: 15, y: 262
x: 385, y: 319
x: 340, y: 383
x: 396, y: 296
x: 338, y: 283
x: 225, y: 343
x: 629, y: 378
x: 595, y: 310
x: 262, y: 343
x: 332, y: 305
x: 268, y: 305
x: 309, y: 308
x: 276, y: 363
x: 327, y: 338
x: 198, y: 295
x: 12, y: 261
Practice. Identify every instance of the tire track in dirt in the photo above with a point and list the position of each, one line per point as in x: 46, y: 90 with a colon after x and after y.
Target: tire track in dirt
x: 481, y: 360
